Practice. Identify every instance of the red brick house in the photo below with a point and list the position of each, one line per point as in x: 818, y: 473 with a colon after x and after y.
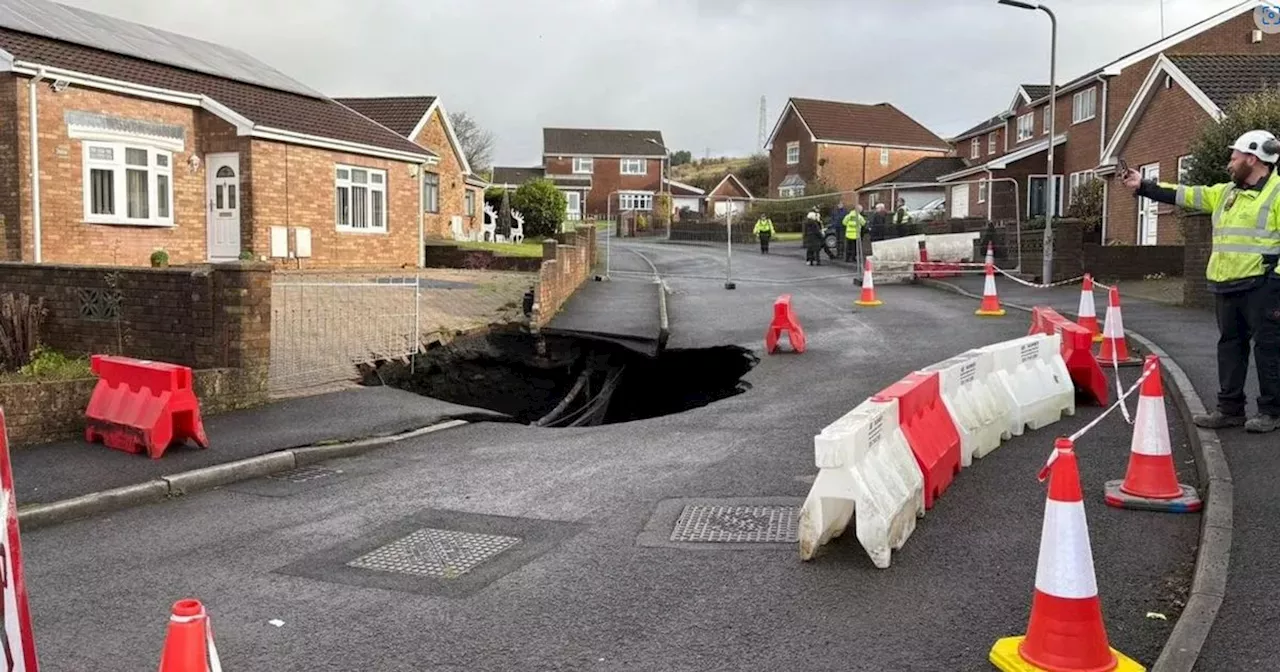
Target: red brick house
x: 454, y: 198
x: 844, y: 145
x: 177, y: 144
x: 1180, y: 95
x: 729, y: 194
x: 1088, y: 112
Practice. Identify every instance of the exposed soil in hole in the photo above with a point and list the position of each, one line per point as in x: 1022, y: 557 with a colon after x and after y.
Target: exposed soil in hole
x: 572, y: 382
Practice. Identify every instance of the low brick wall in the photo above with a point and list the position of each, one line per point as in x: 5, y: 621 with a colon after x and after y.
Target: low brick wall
x: 1197, y: 236
x: 1068, y: 251
x: 1133, y: 262
x: 566, y: 264
x: 452, y: 256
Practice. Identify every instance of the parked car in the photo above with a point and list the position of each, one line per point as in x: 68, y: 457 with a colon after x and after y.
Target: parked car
x: 935, y: 209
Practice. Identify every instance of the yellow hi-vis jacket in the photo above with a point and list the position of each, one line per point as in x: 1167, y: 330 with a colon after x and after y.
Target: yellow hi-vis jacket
x: 764, y: 225
x: 1246, y: 225
x: 853, y: 223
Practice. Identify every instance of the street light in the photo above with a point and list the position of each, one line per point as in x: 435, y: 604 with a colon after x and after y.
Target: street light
x: 1050, y: 196
x: 662, y: 179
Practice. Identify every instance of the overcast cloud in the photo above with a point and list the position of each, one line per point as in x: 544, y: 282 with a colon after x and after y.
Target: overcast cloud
x: 694, y: 69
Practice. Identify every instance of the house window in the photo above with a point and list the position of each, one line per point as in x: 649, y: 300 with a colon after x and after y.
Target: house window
x: 884, y: 156
x: 361, y: 199
x: 793, y: 153
x: 573, y: 205
x: 431, y: 183
x: 127, y: 184
x: 1078, y: 180
x: 470, y: 202
x: 635, y: 200
x: 991, y: 143
x: 975, y: 148
x: 873, y: 198
x: 1046, y: 122
x: 1184, y: 169
x: 1036, y: 197
x: 790, y: 192
x: 1026, y: 126
x: 583, y: 166
x: 1084, y: 105
x: 633, y: 166
x: 982, y: 191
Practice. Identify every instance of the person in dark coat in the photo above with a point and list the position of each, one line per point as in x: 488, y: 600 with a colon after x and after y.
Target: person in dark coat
x: 813, y: 239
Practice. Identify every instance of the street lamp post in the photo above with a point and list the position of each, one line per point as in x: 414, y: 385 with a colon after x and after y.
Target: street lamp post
x: 1050, y: 196
x: 662, y: 180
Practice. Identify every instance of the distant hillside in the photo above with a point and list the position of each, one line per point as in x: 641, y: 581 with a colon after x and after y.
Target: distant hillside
x: 707, y: 169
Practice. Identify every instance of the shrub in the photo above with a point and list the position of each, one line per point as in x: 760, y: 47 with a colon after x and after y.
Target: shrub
x: 20, y: 322
x: 543, y: 207
x: 1210, y: 150
x: 1086, y: 204
x: 159, y: 259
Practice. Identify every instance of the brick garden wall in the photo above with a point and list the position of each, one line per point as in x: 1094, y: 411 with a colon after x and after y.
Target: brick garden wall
x: 215, y: 319
x: 1132, y: 262
x: 453, y: 256
x: 1197, y: 231
x: 564, y: 268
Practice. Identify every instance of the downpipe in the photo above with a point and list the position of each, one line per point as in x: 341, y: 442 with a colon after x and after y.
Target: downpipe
x: 34, y: 137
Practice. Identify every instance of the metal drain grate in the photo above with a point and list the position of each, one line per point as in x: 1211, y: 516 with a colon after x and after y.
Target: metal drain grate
x: 737, y: 524
x: 303, y: 474
x: 435, y: 553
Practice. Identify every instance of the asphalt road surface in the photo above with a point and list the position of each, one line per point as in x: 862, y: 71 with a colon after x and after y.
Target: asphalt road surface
x: 584, y: 577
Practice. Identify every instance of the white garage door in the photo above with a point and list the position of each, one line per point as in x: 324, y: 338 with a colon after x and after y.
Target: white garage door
x: 960, y: 201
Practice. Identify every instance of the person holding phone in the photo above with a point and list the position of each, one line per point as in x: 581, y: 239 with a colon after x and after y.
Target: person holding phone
x: 1242, y: 274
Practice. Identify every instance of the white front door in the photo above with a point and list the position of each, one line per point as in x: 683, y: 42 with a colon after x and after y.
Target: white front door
x: 574, y: 207
x: 1147, y: 209
x: 224, y: 206
x: 960, y: 201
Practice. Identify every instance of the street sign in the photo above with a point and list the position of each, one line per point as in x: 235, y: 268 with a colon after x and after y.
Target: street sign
x: 17, y: 642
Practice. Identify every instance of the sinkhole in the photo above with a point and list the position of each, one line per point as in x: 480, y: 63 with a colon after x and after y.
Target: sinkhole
x: 569, y: 382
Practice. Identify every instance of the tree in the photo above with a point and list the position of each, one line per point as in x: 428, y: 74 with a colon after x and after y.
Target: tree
x: 1210, y: 151
x: 477, y: 143
x: 755, y: 175
x: 681, y: 158
x: 543, y: 207
x: 1086, y: 204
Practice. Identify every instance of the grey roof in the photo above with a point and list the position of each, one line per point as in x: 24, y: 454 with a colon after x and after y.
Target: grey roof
x: 516, y: 176
x: 601, y: 142
x: 993, y: 122
x: 927, y: 169
x: 1036, y: 91
x: 1225, y: 77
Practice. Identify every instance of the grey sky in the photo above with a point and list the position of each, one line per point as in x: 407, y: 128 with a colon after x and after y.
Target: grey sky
x: 694, y: 69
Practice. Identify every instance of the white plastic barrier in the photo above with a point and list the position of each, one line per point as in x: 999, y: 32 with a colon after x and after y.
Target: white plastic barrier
x: 1034, y: 381
x: 972, y: 394
x: 865, y: 467
x: 951, y: 247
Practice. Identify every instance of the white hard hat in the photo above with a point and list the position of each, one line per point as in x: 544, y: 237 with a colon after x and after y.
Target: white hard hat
x: 1261, y: 144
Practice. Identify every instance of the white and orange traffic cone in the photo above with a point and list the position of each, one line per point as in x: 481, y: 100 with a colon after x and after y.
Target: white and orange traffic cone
x: 1115, y: 349
x: 188, y: 645
x: 1066, y: 632
x: 1151, y: 482
x: 990, y: 302
x: 991, y: 253
x: 868, y: 297
x: 1088, y: 317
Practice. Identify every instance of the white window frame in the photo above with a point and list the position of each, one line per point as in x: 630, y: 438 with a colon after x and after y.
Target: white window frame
x: 350, y: 185
x: 1026, y: 126
x: 975, y: 148
x: 1077, y: 179
x: 790, y: 192
x: 571, y: 213
x: 1044, y: 122
x: 884, y: 156
x: 1059, y: 185
x: 793, y: 153
x: 431, y: 198
x: 583, y: 165
x: 1084, y: 105
x: 119, y: 183
x: 627, y: 166
x: 873, y: 198
x: 469, y: 202
x: 982, y: 191
x: 991, y: 143
x: 1184, y: 166
x: 640, y: 201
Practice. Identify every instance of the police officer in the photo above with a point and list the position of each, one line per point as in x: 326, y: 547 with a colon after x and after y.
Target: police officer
x: 1242, y: 274
x: 853, y: 223
x: 764, y: 231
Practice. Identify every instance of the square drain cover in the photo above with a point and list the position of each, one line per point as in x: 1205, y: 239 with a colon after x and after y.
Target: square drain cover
x: 304, y: 474
x: 737, y: 524
x: 436, y: 553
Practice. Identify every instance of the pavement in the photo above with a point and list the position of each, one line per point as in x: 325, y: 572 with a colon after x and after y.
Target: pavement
x: 590, y: 584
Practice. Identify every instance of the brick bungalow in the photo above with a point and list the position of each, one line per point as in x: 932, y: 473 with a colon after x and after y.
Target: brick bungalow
x: 454, y: 196
x: 916, y: 183
x: 189, y: 147
x: 1088, y: 112
x: 729, y: 194
x: 622, y: 168
x: 1181, y: 94
x: 845, y: 145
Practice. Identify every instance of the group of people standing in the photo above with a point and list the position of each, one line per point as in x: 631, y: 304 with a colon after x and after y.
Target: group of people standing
x: 851, y: 231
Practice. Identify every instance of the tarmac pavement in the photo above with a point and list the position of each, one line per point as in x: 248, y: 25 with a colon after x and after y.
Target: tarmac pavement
x: 586, y: 587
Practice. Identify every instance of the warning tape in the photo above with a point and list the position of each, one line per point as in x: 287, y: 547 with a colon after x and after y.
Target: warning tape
x: 1094, y: 423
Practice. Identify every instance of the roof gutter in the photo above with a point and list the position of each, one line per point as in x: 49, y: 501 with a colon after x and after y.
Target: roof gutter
x: 34, y: 136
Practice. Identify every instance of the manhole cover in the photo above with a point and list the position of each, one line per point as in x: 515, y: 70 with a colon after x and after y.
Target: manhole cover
x: 737, y: 524
x: 304, y: 474
x: 436, y: 553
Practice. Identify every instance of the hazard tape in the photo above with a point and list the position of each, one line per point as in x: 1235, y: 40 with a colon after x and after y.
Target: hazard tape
x: 1094, y: 423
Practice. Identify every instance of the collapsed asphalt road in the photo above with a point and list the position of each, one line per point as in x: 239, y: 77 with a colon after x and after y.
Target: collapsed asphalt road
x: 584, y: 575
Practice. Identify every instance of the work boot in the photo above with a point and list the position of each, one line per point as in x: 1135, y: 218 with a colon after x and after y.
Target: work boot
x: 1218, y: 420
x: 1262, y: 423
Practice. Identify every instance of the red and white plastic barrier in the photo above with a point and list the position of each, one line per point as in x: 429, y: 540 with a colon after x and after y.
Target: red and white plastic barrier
x: 968, y: 389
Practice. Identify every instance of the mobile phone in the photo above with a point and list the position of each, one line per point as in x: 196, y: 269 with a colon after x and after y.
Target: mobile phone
x: 1124, y: 166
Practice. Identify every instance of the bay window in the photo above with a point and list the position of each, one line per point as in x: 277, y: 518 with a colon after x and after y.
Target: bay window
x: 635, y: 200
x: 361, y: 199
x: 127, y: 184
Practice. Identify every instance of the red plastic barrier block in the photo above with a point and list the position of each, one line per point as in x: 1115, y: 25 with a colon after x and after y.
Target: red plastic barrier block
x: 1077, y: 351
x: 139, y: 405
x: 929, y: 429
x: 784, y: 320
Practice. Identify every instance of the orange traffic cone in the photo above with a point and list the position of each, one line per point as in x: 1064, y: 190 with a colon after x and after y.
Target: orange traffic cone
x: 188, y: 646
x: 1066, y: 632
x: 990, y: 302
x: 868, y: 297
x: 1151, y: 483
x: 991, y: 253
x: 1088, y: 313
x: 1115, y: 349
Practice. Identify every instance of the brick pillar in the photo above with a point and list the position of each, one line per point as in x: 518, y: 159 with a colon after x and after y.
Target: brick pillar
x: 242, y: 323
x: 1197, y: 234
x: 549, y: 249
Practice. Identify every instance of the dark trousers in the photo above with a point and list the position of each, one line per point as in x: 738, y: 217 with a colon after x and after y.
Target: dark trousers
x: 764, y: 241
x: 813, y: 255
x: 850, y: 249
x: 1251, y: 315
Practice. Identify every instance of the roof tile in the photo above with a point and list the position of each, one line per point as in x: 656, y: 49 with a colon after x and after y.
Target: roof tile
x: 854, y: 122
x: 601, y: 142
x: 398, y: 113
x: 926, y: 169
x: 1225, y: 77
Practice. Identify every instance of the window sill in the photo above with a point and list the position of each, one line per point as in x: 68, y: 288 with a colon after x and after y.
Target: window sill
x: 97, y: 221
x: 1074, y: 122
x: 362, y: 232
